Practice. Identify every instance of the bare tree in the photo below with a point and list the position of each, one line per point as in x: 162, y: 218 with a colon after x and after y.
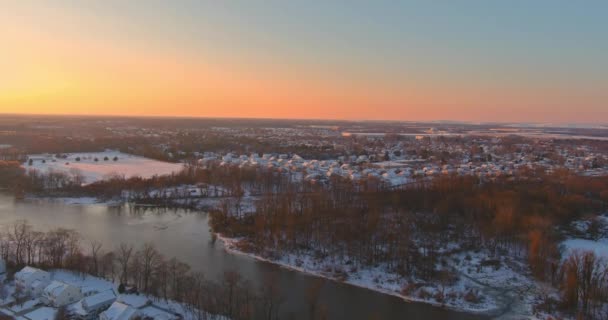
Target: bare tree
x: 149, y: 260
x: 18, y: 233
x: 123, y: 257
x: 95, y: 247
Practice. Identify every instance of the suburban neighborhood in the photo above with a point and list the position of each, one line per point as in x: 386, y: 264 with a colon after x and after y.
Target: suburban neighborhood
x: 36, y: 294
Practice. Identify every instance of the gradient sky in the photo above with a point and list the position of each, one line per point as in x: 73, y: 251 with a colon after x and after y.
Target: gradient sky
x: 542, y: 61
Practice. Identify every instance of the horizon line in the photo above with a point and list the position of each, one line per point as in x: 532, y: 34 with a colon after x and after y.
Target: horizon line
x: 186, y: 117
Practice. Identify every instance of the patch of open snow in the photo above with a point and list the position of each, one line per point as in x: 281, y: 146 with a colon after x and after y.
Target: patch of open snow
x: 600, y: 247
x: 583, y: 239
x: 125, y: 165
x: 69, y: 200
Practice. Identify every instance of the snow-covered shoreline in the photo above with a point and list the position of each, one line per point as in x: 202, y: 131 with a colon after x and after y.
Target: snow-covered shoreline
x: 380, y: 280
x: 485, y: 309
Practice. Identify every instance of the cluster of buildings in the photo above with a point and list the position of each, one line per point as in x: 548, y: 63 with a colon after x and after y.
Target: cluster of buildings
x: 394, y: 153
x: 39, y: 295
x: 396, y: 166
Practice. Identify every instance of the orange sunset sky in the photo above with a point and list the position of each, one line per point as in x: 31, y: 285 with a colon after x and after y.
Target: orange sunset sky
x: 287, y: 59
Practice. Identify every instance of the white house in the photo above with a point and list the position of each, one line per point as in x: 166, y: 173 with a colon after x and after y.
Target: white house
x: 119, y: 311
x: 90, y: 307
x: 31, y: 278
x: 59, y: 294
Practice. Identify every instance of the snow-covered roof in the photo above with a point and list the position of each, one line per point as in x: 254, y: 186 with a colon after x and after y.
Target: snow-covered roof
x: 56, y: 288
x: 27, y: 272
x: 99, y: 299
x: 119, y: 311
x: 157, y: 314
x: 44, y: 313
x: 134, y: 300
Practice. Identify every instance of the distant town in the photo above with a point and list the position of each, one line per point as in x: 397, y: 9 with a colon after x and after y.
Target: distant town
x: 474, y: 220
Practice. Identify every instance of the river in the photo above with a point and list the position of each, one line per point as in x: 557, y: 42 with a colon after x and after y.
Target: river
x: 185, y: 235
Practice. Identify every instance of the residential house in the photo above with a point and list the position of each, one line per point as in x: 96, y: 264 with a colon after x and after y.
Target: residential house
x: 90, y: 307
x: 59, y: 294
x: 31, y: 281
x: 119, y: 311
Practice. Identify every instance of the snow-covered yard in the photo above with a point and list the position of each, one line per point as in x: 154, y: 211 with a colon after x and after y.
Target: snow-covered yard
x: 95, y: 166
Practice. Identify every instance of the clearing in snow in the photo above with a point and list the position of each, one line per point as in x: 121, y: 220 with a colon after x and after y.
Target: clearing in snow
x: 96, y: 166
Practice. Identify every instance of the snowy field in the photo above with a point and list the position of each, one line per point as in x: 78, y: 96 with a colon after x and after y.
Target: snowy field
x: 108, y: 163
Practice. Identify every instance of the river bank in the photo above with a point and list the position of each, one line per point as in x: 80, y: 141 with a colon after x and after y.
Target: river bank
x: 501, y: 294
x: 472, y: 293
x: 185, y: 234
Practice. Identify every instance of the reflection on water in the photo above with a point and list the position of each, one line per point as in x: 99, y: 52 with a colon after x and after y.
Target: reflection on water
x: 185, y: 235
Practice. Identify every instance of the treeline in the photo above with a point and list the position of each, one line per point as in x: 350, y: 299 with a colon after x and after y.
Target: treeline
x: 228, y: 181
x: 212, y: 179
x: 12, y: 176
x: 409, y: 230
x: 149, y: 272
x: 96, y: 140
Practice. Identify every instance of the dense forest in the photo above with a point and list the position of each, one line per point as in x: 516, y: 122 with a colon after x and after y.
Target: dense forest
x: 408, y: 230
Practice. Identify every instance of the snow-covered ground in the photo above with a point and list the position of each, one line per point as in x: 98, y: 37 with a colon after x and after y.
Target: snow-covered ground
x: 82, y: 201
x: 190, y: 196
x: 108, y: 163
x: 494, y: 289
x: 599, y: 247
x: 589, y: 234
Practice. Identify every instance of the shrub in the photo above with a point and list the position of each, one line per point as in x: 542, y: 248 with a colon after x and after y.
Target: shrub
x: 423, y: 294
x: 439, y: 297
x: 472, y: 297
x: 409, y: 288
